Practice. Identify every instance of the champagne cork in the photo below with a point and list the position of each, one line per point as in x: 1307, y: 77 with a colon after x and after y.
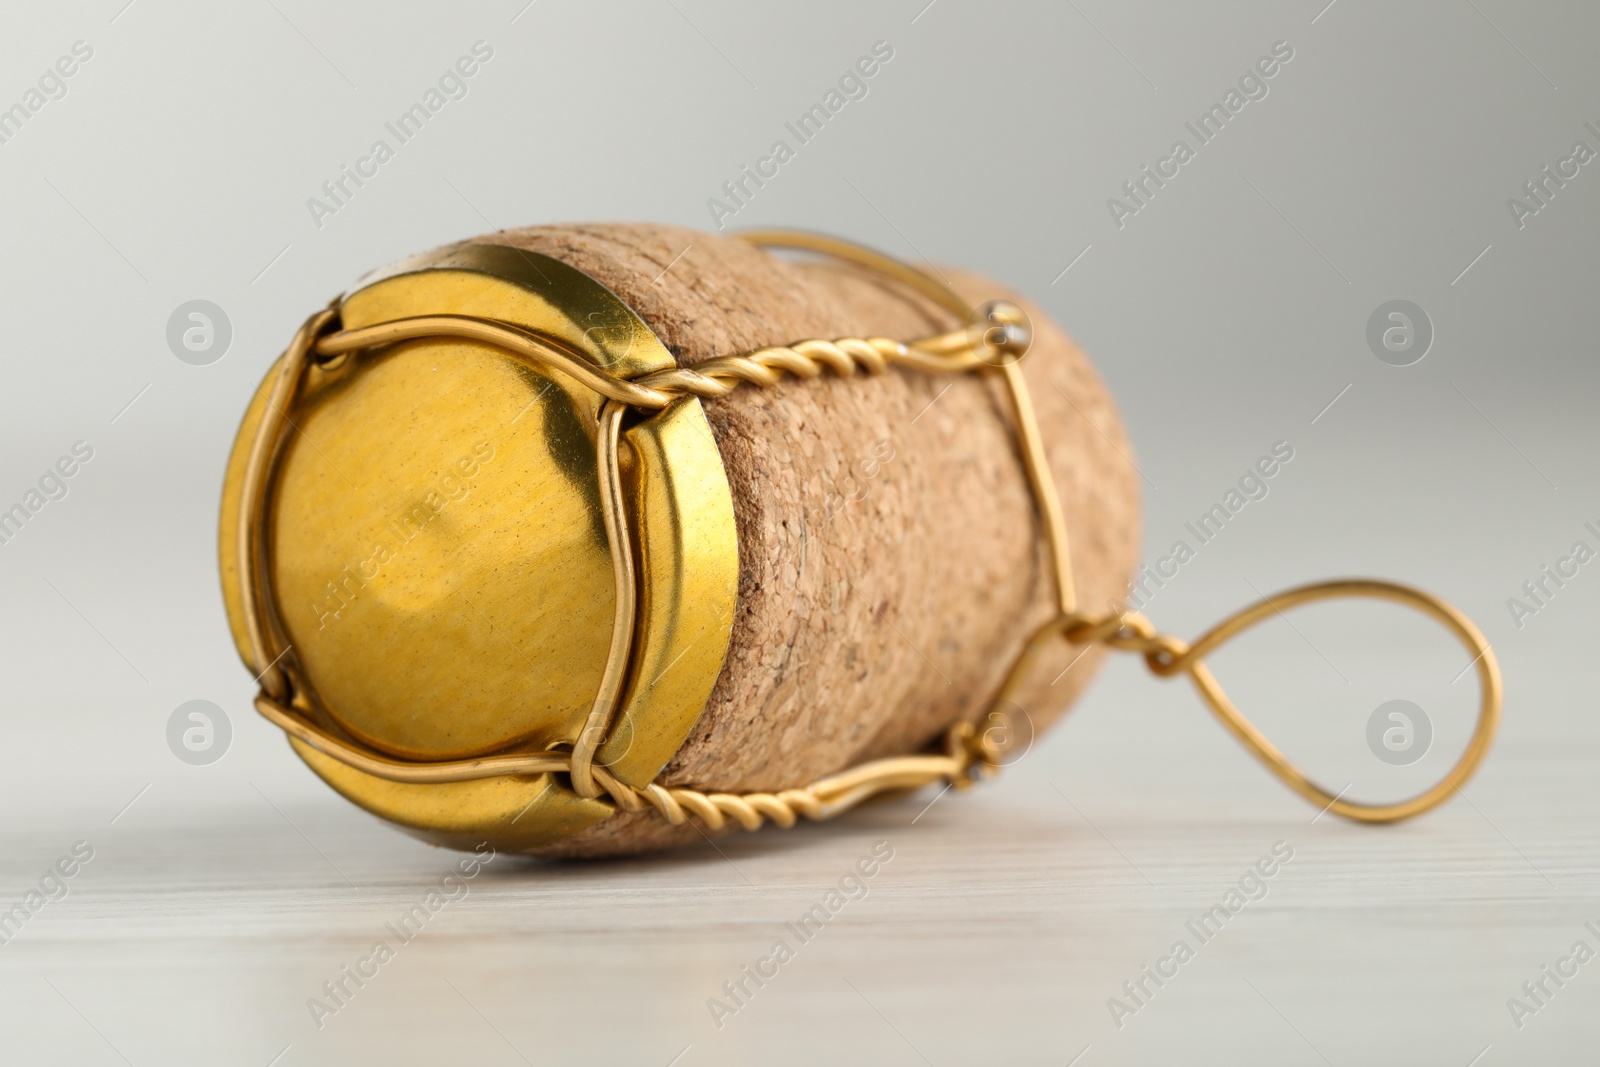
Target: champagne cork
x: 891, y: 562
x: 773, y: 537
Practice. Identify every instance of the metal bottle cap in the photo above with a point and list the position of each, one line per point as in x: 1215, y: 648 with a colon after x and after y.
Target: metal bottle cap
x: 436, y: 553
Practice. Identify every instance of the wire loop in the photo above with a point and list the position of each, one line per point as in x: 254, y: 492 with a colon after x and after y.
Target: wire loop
x: 1167, y: 656
x: 993, y: 340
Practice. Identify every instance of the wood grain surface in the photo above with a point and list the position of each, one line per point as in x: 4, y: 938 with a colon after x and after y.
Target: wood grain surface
x: 221, y: 899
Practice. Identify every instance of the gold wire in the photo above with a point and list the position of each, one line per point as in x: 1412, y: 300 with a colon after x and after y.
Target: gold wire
x: 598, y: 723
x: 966, y: 751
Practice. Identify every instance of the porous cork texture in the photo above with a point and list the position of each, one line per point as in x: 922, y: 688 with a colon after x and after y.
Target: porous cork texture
x: 880, y: 600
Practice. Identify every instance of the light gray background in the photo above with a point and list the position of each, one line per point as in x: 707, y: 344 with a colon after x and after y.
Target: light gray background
x: 1226, y: 316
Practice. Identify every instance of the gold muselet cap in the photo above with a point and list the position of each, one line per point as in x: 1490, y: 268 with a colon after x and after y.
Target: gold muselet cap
x: 415, y: 550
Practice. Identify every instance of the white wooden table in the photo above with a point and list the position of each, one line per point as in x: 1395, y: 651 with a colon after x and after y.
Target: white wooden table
x: 220, y: 902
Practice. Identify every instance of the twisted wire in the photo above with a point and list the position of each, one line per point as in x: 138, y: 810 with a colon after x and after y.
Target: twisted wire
x: 966, y: 753
x: 710, y: 380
